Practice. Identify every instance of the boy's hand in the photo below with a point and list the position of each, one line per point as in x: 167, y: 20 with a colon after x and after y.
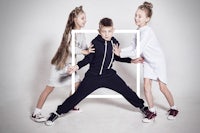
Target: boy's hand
x: 116, y: 50
x: 137, y: 60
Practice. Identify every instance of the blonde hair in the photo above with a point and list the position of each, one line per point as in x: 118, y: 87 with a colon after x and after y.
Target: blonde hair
x: 62, y: 53
x: 147, y: 7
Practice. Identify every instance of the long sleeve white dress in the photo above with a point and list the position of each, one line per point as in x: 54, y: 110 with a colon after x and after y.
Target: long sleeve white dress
x: 154, y: 60
x: 59, y: 78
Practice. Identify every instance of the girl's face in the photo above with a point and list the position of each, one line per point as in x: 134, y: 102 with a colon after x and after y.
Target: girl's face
x: 141, y: 18
x: 80, y: 20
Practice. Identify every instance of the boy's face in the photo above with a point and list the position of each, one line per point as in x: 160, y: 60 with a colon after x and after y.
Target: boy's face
x: 106, y: 32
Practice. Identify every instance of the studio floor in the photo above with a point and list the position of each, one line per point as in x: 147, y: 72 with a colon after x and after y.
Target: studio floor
x: 98, y: 116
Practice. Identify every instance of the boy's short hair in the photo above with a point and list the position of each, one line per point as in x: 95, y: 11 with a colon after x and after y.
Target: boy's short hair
x: 105, y: 22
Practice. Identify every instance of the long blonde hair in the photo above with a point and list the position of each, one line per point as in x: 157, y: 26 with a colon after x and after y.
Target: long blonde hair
x: 63, y: 52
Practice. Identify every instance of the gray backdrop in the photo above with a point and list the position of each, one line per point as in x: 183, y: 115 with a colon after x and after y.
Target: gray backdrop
x: 32, y: 30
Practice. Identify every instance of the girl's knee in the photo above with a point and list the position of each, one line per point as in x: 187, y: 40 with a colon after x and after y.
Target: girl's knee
x: 48, y: 89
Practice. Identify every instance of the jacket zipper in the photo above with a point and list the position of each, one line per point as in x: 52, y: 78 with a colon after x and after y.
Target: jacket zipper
x: 112, y: 56
x: 105, y: 51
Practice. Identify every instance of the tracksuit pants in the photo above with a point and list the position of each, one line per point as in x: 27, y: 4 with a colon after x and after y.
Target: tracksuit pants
x: 91, y: 83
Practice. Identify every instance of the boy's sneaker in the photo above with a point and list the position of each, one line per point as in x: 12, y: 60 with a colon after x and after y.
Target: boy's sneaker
x: 51, y: 119
x: 172, y: 114
x: 150, y: 116
x: 38, y: 117
x: 144, y: 110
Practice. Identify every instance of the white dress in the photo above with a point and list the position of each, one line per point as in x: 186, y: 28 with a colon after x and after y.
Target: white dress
x: 154, y: 59
x: 59, y: 78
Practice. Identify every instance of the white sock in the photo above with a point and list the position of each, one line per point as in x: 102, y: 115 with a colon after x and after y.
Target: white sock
x: 173, y: 107
x: 152, y: 109
x: 37, y: 111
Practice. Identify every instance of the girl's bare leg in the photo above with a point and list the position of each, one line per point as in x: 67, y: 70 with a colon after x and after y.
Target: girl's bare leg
x: 43, y: 96
x: 37, y: 116
x: 173, y: 110
x: 147, y: 92
x: 167, y: 93
x: 150, y: 116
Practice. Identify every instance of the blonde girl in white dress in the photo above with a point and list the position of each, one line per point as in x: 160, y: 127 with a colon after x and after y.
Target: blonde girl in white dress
x: 62, y: 59
x: 154, y: 61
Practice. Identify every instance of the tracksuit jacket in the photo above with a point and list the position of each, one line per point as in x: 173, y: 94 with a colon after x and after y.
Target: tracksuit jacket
x: 100, y: 74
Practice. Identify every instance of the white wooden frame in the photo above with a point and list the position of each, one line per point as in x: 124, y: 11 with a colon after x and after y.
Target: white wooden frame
x: 116, y: 31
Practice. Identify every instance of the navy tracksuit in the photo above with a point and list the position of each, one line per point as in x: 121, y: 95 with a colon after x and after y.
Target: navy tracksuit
x: 100, y: 74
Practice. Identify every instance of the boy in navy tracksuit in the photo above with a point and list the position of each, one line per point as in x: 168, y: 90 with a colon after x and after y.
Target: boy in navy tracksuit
x: 100, y: 73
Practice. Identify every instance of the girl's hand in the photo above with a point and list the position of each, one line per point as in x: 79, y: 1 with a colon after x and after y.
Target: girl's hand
x: 89, y: 50
x: 69, y: 69
x: 72, y: 69
x: 116, y: 49
x: 137, y: 60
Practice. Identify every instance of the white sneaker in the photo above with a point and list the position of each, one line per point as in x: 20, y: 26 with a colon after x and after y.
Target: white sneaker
x: 38, y: 117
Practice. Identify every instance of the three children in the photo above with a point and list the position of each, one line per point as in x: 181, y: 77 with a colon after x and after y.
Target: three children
x: 100, y: 72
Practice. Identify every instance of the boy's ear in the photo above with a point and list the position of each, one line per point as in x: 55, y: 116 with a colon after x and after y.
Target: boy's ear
x: 113, y: 29
x: 99, y: 30
x: 147, y: 19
